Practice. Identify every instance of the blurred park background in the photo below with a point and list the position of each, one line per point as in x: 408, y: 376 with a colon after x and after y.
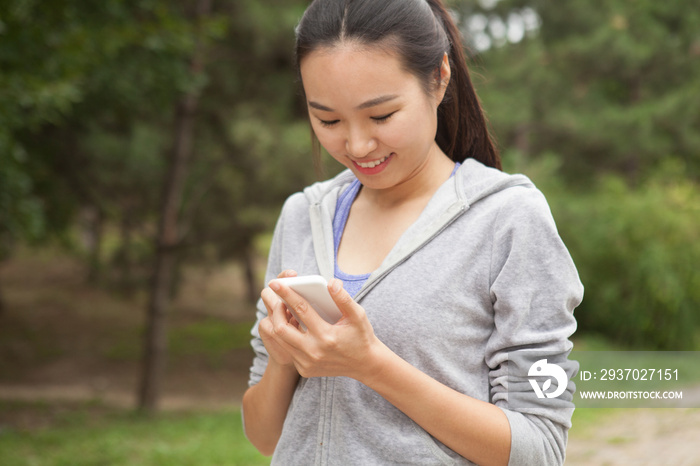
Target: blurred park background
x: 146, y: 148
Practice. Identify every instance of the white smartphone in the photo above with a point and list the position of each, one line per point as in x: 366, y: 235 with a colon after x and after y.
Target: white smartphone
x: 314, y: 289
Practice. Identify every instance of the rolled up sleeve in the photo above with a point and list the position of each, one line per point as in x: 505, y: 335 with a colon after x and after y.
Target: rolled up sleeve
x: 534, y: 290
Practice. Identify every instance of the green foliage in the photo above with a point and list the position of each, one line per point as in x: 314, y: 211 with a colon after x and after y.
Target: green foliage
x: 600, y: 108
x: 608, y: 85
x: 86, y: 112
x: 89, y: 97
x: 254, y: 148
x: 118, y: 438
x: 67, y: 71
x: 637, y: 250
x: 20, y: 211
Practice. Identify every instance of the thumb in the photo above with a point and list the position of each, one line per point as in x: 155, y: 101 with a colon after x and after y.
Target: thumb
x: 343, y: 300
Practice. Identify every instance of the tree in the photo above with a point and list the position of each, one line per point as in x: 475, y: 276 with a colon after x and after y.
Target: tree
x: 606, y: 86
x: 92, y: 100
x: 20, y: 212
x: 168, y: 239
x: 69, y: 75
x: 598, y: 104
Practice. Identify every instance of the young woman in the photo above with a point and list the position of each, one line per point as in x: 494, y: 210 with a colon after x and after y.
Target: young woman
x: 447, y: 271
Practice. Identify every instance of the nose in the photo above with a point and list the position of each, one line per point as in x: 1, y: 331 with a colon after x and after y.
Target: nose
x: 359, y: 144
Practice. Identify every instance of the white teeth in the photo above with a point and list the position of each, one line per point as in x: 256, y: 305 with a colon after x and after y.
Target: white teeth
x: 372, y: 164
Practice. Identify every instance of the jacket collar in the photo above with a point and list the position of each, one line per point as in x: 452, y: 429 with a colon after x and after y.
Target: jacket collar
x: 472, y: 182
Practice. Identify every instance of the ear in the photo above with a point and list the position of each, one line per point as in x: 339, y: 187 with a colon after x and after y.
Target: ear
x: 442, y: 75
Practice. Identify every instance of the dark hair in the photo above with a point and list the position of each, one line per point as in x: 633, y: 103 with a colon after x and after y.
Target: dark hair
x: 421, y: 32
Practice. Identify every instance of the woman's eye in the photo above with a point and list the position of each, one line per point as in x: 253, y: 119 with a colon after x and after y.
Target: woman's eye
x: 328, y: 123
x: 382, y: 119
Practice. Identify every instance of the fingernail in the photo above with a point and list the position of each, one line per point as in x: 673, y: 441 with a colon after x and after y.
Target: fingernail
x: 274, y: 285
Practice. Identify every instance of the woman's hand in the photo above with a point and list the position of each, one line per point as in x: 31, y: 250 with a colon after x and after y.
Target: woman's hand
x: 277, y: 314
x: 266, y: 403
x: 342, y: 349
x: 477, y: 430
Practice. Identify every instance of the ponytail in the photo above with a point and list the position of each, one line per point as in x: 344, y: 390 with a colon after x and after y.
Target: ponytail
x: 462, y: 126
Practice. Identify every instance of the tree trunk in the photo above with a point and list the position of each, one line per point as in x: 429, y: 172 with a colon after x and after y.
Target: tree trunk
x: 155, y: 343
x: 522, y: 139
x: 125, y: 263
x: 2, y: 304
x: 5, y: 248
x: 94, y: 219
x: 155, y: 338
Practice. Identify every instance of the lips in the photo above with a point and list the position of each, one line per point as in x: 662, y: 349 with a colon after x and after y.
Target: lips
x: 373, y: 166
x: 373, y: 163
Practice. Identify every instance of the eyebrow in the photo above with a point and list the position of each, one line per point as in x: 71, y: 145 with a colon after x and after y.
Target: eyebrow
x: 362, y: 106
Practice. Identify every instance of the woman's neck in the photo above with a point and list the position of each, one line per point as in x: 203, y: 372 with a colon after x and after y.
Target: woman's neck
x: 422, y: 183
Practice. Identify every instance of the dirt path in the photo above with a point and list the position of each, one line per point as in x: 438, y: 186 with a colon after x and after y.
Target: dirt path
x: 640, y: 437
x: 117, y: 398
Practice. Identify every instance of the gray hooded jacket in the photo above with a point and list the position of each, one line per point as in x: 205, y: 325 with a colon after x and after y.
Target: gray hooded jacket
x: 480, y: 277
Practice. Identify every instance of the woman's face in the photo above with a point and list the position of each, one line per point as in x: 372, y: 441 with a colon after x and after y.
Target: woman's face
x: 370, y: 114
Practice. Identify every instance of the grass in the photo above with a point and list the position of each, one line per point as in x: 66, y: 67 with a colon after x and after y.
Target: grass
x: 94, y: 435
x: 585, y: 420
x: 210, y: 338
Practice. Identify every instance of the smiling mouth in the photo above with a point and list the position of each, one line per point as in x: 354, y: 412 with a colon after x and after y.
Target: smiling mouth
x: 373, y: 163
